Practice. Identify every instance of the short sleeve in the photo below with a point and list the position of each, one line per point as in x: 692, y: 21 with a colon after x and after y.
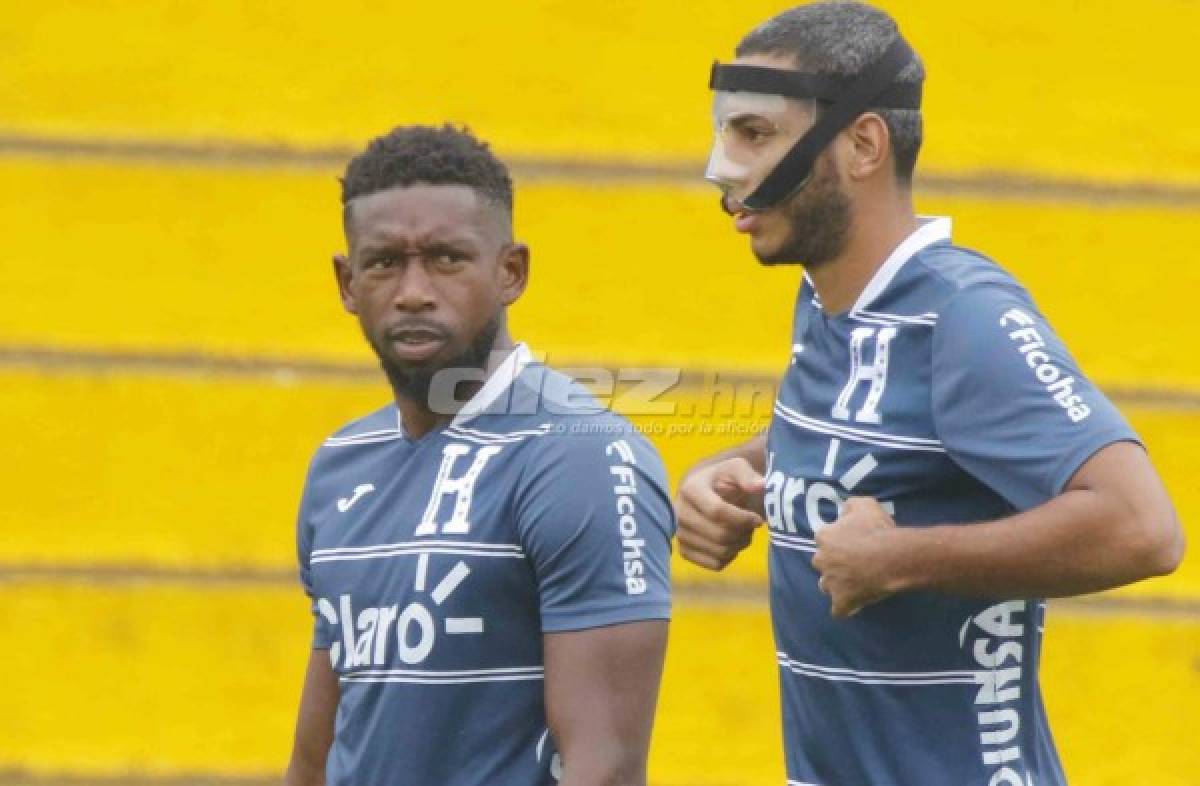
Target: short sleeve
x: 323, y: 634
x: 596, y: 523
x: 1010, y: 404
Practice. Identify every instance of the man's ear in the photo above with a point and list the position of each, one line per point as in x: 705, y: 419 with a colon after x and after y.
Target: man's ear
x: 870, y: 146
x: 514, y: 272
x: 344, y: 275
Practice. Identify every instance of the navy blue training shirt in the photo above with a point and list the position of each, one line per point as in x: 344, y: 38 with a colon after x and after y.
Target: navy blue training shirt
x: 944, y: 394
x: 435, y: 565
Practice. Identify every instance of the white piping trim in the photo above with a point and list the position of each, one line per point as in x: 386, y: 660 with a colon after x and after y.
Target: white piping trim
x: 928, y: 316
x: 816, y: 296
x: 918, y: 678
x: 452, y: 673
x: 449, y: 680
x: 536, y: 432
x: 383, y: 432
x: 404, y: 544
x: 401, y: 550
x: 495, y: 438
x: 793, y: 542
x: 878, y: 318
x: 858, y: 435
x: 338, y: 442
x: 454, y: 433
x: 932, y: 230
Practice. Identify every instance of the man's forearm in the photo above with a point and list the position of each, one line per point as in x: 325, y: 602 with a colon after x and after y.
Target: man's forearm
x: 1076, y: 543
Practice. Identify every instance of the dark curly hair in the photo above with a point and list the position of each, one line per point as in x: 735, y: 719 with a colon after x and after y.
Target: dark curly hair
x: 434, y: 156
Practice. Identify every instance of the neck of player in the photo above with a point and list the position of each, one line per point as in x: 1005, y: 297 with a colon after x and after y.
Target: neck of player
x: 877, y: 227
x: 416, y: 414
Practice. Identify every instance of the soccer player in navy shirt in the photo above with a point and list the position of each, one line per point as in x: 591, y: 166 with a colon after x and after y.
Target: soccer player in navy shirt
x: 937, y: 463
x: 487, y: 556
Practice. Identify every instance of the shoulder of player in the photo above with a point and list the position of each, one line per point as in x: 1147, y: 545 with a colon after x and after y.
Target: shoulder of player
x: 953, y: 276
x: 337, y: 452
x: 582, y: 467
x: 585, y: 446
x: 978, y: 317
x: 577, y: 436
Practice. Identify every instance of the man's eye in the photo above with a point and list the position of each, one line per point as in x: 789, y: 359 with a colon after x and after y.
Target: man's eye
x: 381, y: 262
x: 754, y: 135
x: 447, y: 259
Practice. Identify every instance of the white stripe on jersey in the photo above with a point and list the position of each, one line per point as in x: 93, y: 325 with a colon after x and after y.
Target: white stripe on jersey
x: 858, y: 435
x: 387, y: 546
x: 541, y: 430
x: 449, y: 680
x: 491, y: 438
x: 930, y: 231
x: 793, y: 542
x: 365, y: 438
x: 876, y: 677
x: 437, y: 673
x: 376, y: 433
x: 880, y: 318
x: 417, y: 547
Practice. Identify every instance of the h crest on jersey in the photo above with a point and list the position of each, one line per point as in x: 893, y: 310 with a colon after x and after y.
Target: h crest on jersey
x: 873, y: 374
x: 460, y: 488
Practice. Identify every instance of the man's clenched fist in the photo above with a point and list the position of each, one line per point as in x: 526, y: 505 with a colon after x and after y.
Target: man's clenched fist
x: 719, y: 506
x: 854, y: 556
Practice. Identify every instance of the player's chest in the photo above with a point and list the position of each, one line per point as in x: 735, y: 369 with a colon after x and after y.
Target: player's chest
x: 860, y: 377
x: 853, y: 418
x: 420, y: 555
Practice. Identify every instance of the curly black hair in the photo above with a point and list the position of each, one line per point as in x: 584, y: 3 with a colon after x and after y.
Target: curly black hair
x: 435, y: 156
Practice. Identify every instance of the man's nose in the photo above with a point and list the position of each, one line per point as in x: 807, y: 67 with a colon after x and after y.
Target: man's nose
x: 414, y: 289
x: 724, y: 172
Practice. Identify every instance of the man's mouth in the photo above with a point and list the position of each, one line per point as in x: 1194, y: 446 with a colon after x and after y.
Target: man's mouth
x: 416, y: 343
x: 744, y: 219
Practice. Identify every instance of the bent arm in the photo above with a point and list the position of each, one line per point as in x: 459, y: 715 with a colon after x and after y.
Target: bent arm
x: 314, y: 723
x: 601, y: 692
x: 720, y: 504
x: 1112, y: 525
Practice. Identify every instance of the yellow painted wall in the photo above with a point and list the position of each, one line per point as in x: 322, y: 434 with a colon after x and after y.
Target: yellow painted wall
x: 192, y: 471
x: 114, y: 467
x: 1060, y: 87
x: 168, y: 678
x: 235, y: 261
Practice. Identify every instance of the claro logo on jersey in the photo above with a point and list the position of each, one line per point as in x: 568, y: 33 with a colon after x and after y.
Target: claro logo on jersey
x: 789, y: 501
x: 624, y: 491
x: 995, y: 638
x: 1032, y: 346
x: 375, y: 635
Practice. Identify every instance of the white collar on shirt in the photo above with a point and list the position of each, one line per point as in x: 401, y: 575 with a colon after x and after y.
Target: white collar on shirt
x: 931, y: 230
x: 495, y: 385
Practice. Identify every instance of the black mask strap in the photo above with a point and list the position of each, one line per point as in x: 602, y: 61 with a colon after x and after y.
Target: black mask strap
x: 873, y: 87
x: 794, y: 84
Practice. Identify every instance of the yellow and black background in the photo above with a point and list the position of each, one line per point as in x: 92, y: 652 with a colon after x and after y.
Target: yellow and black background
x: 172, y: 350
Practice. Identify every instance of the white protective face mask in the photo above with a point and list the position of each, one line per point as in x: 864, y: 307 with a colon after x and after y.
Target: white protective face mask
x: 753, y: 132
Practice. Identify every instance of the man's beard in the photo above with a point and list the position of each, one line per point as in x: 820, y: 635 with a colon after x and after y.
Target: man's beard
x: 819, y: 220
x: 413, y: 382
